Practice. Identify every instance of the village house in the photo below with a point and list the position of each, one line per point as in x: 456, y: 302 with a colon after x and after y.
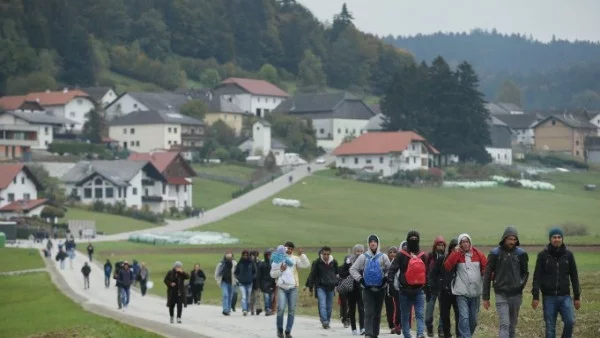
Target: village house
x: 255, y: 97
x: 335, y: 116
x: 129, y: 102
x: 39, y: 123
x: 385, y: 153
x: 19, y: 191
x: 500, y: 149
x: 221, y: 109
x: 564, y: 133
x: 177, y: 192
x: 103, y: 96
x: 522, y: 127
x: 145, y: 131
x: 595, y: 120
x: 261, y: 143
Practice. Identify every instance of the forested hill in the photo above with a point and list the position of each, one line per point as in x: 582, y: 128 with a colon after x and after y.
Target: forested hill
x: 166, y: 42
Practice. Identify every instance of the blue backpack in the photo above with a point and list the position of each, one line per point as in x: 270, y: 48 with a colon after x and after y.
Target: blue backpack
x: 372, y: 274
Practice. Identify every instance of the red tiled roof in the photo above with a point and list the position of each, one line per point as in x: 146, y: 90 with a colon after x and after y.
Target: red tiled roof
x: 160, y: 160
x: 22, y: 205
x: 12, y: 102
x: 177, y: 181
x: 55, y: 98
x: 381, y: 143
x: 256, y: 87
x: 8, y: 172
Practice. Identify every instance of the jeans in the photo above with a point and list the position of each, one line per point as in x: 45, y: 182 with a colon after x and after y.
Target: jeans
x: 62, y: 264
x: 268, y: 298
x: 86, y: 282
x: 406, y: 303
x: 373, y: 302
x: 90, y: 256
x: 255, y: 301
x: 286, y: 298
x: 234, y: 296
x: 355, y: 301
x: 468, y: 309
x: 553, y: 305
x: 107, y: 280
x: 245, y: 290
x: 508, y: 314
x: 119, y: 298
x: 226, y: 294
x: 447, y: 301
x: 124, y: 296
x: 325, y: 298
x: 429, y: 312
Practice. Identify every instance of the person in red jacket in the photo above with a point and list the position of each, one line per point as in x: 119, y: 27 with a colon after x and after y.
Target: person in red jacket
x: 469, y: 265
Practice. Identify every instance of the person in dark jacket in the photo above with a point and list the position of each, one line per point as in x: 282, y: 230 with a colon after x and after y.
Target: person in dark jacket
x: 245, y: 272
x: 117, y: 269
x: 107, y: 272
x: 86, y: 270
x: 410, y: 295
x: 61, y: 255
x: 554, y: 267
x: 197, y: 279
x: 447, y: 299
x: 142, y: 277
x: 437, y: 256
x: 136, y: 271
x: 324, y: 279
x: 343, y: 302
x: 508, y: 268
x: 175, y: 282
x: 392, y: 306
x: 90, y: 251
x: 125, y: 278
x: 255, y: 294
x: 355, y: 296
x: 266, y: 282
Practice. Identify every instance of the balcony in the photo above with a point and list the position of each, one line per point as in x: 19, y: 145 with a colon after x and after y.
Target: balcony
x: 18, y: 135
x: 191, y: 136
x: 152, y: 199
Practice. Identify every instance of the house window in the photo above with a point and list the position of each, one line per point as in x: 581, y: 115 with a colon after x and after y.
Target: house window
x: 164, y: 189
x: 79, y: 101
x: 381, y: 160
x: 46, y: 130
x: 407, y: 160
x: 119, y: 192
x: 87, y: 193
x: 175, y: 130
x: 577, y: 153
x: 132, y: 143
x: 109, y: 192
x: 346, y: 130
x: 11, y: 197
x: 505, y: 156
x: 368, y: 161
x: 134, y: 191
x: 414, y: 160
x: 185, y: 188
x: 258, y: 99
x: 98, y: 181
x: 169, y: 142
x: 27, y: 197
x: 124, y: 130
x: 322, y: 131
x: 356, y: 160
x: 15, y: 178
x: 339, y: 131
x: 98, y: 193
x: 413, y: 147
x: 498, y: 156
x: 74, y: 192
x: 553, y: 122
x: 135, y: 105
x: 132, y: 131
x: 22, y: 180
x: 343, y: 160
x: 177, y: 189
x: 577, y: 142
x: 169, y: 129
x: 137, y: 143
x: 72, y: 114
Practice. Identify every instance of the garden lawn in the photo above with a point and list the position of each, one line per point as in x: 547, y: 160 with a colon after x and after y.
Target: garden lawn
x: 108, y: 223
x: 32, y: 306
x: 340, y: 212
x: 229, y: 170
x: 208, y: 194
x: 13, y: 259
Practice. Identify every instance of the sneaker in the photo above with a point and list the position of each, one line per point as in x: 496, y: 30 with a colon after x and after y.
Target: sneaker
x: 440, y: 333
x: 355, y: 332
x: 362, y: 332
x: 422, y: 336
x: 233, y: 309
x: 279, y: 334
x: 172, y: 320
x: 225, y: 313
x: 178, y: 320
x: 430, y: 332
x: 252, y: 313
x: 346, y: 324
x: 324, y: 325
x: 258, y: 312
x: 245, y: 313
x: 288, y: 335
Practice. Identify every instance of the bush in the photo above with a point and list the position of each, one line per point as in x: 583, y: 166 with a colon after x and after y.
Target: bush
x: 79, y: 148
x: 473, y: 171
x: 554, y: 160
x: 221, y: 153
x: 52, y: 212
x: 573, y: 229
x: 241, y: 191
x: 173, y: 211
x: 98, y: 206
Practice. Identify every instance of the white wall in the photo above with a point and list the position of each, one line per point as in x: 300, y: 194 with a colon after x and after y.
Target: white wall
x: 596, y: 121
x: 109, y: 97
x: 44, y: 138
x: 123, y: 106
x: 524, y: 136
x: 149, y: 136
x: 77, y: 110
x: 500, y: 155
x: 244, y: 101
x: 261, y: 137
x: 323, y: 128
x: 20, y: 186
x: 346, y: 127
x: 264, y: 102
x: 279, y: 156
x: 412, y: 158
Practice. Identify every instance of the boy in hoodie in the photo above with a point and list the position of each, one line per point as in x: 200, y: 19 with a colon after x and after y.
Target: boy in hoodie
x: 436, y: 258
x: 107, y: 271
x: 285, y: 271
x: 412, y: 280
x: 85, y: 270
x: 245, y: 273
x: 225, y: 278
x: 506, y: 262
x: 323, y: 279
x: 265, y: 282
x: 470, y: 264
x: 392, y: 306
x: 447, y: 299
x: 369, y: 271
x: 355, y: 296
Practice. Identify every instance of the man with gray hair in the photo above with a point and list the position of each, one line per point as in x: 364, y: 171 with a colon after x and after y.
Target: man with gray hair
x: 175, y: 282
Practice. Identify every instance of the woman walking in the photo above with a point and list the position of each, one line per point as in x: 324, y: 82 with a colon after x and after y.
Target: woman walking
x: 197, y: 278
x: 175, y: 282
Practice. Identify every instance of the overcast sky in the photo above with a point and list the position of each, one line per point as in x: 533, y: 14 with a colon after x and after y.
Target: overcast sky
x: 567, y: 19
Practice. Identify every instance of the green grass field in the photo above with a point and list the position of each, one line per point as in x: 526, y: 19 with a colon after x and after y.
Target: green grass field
x: 12, y: 259
x: 208, y: 194
x: 229, y: 170
x: 108, y: 223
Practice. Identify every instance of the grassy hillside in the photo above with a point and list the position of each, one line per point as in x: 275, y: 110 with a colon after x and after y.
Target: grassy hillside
x: 108, y: 223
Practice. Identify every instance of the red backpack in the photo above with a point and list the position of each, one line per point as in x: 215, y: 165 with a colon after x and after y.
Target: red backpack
x: 416, y: 272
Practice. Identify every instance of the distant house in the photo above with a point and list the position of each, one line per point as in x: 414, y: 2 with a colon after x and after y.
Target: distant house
x: 335, y: 116
x: 261, y: 143
x: 134, y: 183
x: 220, y: 108
x: 595, y: 120
x: 385, y: 153
x: 144, y: 131
x: 503, y: 108
x: 500, y: 149
x: 19, y: 191
x: 42, y: 128
x: 522, y: 126
x: 564, y: 133
x: 592, y: 149
x: 74, y: 105
x: 256, y: 97
x: 129, y: 102
x: 375, y: 123
x: 178, y: 174
x: 103, y: 96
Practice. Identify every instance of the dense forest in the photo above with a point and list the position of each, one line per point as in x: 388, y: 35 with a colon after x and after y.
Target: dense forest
x: 50, y: 43
x: 558, y: 74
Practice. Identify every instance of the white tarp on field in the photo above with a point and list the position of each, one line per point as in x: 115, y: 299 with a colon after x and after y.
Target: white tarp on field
x: 185, y: 237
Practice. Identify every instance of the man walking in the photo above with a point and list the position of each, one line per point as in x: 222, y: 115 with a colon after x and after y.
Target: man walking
x: 413, y: 278
x: 508, y: 267
x: 255, y: 294
x: 323, y: 279
x: 125, y: 278
x: 90, y: 251
x: 245, y: 273
x: 107, y: 272
x: 266, y: 282
x: 554, y: 269
x: 447, y: 299
x: 85, y: 270
x: 175, y: 282
x: 143, y: 278
x: 470, y: 264
x: 437, y: 256
x: 226, y: 280
x: 369, y: 270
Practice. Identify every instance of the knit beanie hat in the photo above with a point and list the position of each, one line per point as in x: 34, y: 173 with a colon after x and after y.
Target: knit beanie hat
x: 555, y: 231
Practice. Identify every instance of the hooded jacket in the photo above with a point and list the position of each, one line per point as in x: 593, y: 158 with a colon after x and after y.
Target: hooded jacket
x: 219, y: 271
x: 349, y: 261
x: 266, y: 283
x: 507, y: 268
x: 553, y: 269
x: 358, y: 267
x: 107, y: 268
x: 400, y: 264
x: 245, y: 271
x: 323, y: 274
x: 470, y: 267
x: 435, y: 266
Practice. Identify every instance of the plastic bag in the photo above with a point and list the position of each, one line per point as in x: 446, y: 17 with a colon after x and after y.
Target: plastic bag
x: 149, y: 284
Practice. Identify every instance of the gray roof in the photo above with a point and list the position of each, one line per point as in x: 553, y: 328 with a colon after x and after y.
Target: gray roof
x: 120, y: 172
x: 521, y: 121
x: 277, y: 144
x: 575, y: 119
x: 97, y: 93
x: 500, y: 136
x: 154, y: 117
x: 494, y: 121
x: 502, y: 108
x: 216, y: 103
x: 160, y: 100
x: 193, y: 93
x: 341, y: 105
x: 376, y: 123
x: 41, y: 118
x: 247, y: 145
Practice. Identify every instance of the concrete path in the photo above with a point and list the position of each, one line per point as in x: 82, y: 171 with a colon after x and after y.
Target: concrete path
x: 198, y: 321
x: 21, y: 272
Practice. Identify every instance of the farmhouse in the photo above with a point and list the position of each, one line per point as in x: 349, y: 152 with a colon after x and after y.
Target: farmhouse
x: 19, y: 191
x: 103, y: 96
x: 564, y: 133
x: 500, y: 149
x: 261, y: 143
x: 255, y: 97
x: 129, y: 102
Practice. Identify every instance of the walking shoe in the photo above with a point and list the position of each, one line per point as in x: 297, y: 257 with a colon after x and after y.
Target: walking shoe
x: 288, y: 335
x: 422, y: 336
x: 178, y: 320
x: 245, y: 313
x: 429, y: 331
x: 362, y: 332
x: 355, y: 332
x: 172, y: 320
x: 324, y: 325
x: 252, y: 313
x: 258, y: 312
x: 346, y: 323
x: 225, y: 313
x: 440, y: 333
x: 279, y: 334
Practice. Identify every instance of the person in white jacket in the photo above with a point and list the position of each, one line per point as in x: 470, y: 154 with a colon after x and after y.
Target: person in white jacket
x: 225, y: 278
x: 286, y: 273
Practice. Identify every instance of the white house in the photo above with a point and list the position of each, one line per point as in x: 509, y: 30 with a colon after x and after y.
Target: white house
x: 262, y: 143
x: 335, y: 116
x: 256, y: 97
x: 47, y: 125
x: 102, y: 95
x: 129, y: 102
x: 385, y: 153
x: 501, y: 147
x: 595, y: 120
x: 19, y: 191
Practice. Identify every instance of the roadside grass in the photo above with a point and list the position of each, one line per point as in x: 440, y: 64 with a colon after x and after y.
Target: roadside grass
x: 229, y: 170
x: 209, y: 194
x: 108, y: 223
x: 13, y: 259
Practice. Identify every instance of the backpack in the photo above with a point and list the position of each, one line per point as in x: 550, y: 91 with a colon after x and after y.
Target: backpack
x: 372, y: 274
x: 416, y: 272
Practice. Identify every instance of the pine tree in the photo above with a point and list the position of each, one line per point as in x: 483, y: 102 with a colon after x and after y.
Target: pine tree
x: 95, y: 127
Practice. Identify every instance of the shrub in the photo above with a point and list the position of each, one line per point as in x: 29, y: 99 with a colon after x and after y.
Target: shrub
x: 79, y: 148
x: 473, y: 171
x: 51, y: 212
x: 554, y: 160
x: 173, y: 211
x: 98, y: 206
x: 573, y: 229
x: 187, y: 211
x: 450, y: 173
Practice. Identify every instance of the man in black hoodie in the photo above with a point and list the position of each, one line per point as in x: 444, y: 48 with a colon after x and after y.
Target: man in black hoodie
x: 413, y: 279
x: 323, y: 279
x: 266, y: 282
x: 447, y: 299
x: 245, y: 273
x: 554, y: 267
x: 507, y: 267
